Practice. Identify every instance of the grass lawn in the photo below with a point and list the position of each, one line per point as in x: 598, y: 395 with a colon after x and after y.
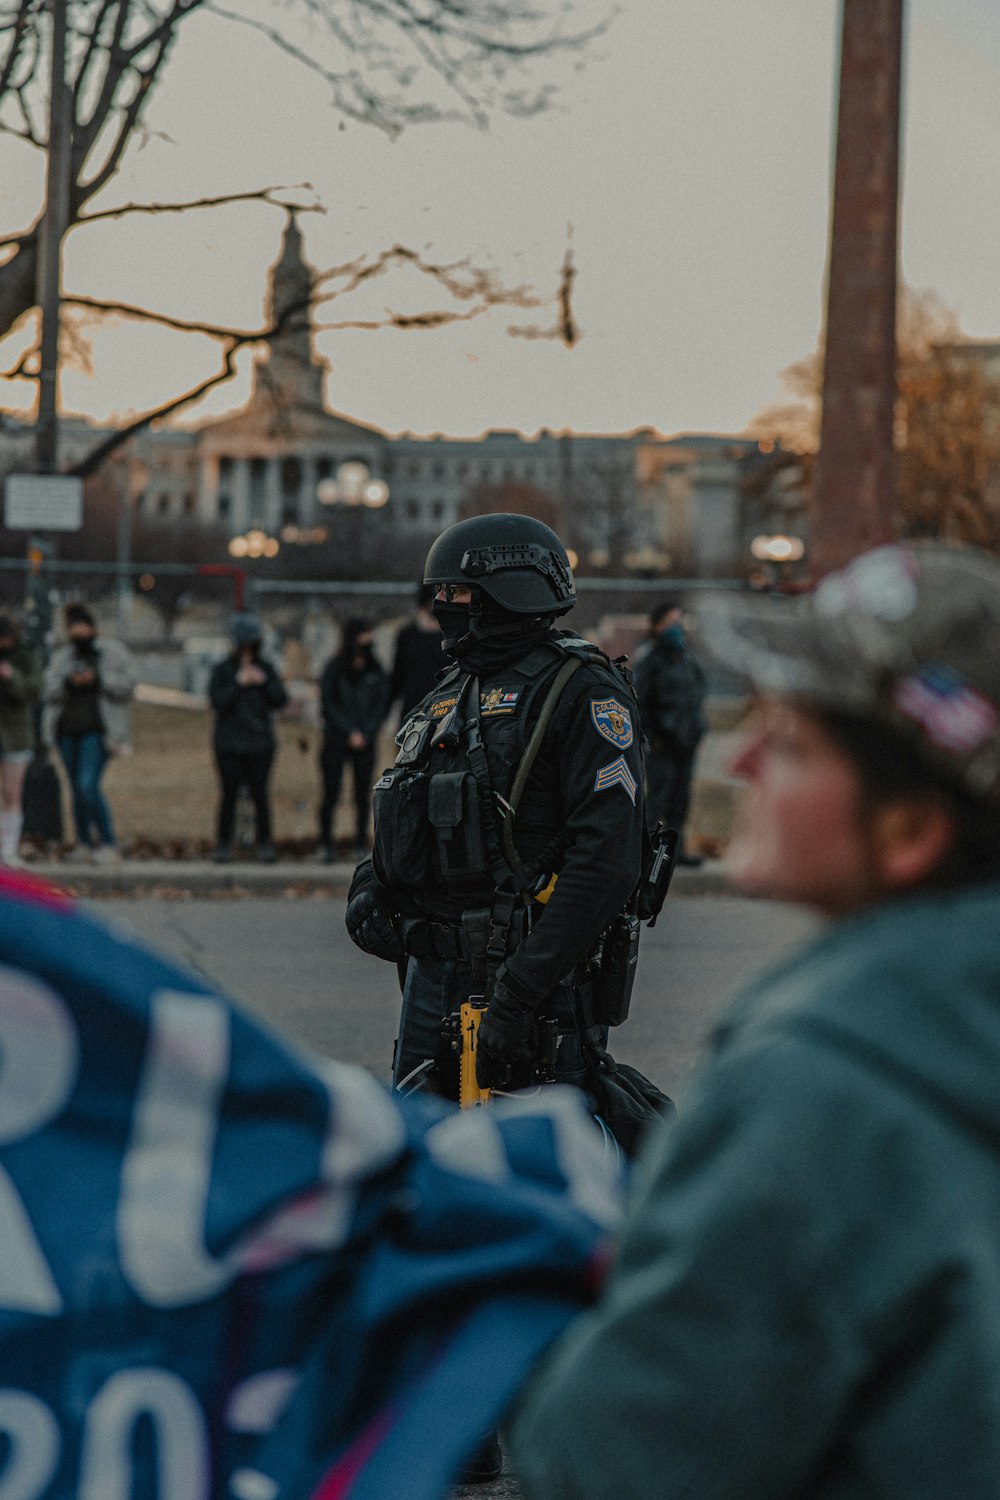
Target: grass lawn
x: 163, y: 797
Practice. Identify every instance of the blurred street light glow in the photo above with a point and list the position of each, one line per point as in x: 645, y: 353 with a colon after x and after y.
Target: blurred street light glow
x: 255, y: 543
x: 353, y: 485
x: 777, y: 549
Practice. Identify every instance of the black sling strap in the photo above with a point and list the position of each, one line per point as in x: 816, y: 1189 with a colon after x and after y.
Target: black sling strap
x: 528, y: 758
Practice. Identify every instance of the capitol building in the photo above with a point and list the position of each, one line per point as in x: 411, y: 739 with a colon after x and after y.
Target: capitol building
x: 282, y: 464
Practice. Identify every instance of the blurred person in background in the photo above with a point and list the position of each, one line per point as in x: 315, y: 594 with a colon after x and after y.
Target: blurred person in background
x: 354, y: 697
x: 20, y: 693
x: 89, y: 683
x: 245, y: 691
x: 418, y: 656
x: 670, y: 689
x: 804, y: 1298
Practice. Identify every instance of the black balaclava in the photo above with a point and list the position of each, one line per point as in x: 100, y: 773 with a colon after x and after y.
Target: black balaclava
x: 483, y: 637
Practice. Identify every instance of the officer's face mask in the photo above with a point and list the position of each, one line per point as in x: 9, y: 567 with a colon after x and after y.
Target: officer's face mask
x: 454, y: 620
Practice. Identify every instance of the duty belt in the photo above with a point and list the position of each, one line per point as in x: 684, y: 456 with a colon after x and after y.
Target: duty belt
x: 474, y: 938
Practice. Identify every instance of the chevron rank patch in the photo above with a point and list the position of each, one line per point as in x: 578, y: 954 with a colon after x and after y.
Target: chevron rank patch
x: 612, y: 720
x: 617, y: 774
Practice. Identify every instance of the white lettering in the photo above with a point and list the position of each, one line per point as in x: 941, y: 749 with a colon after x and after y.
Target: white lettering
x: 181, y: 1438
x: 34, y: 1446
x: 39, y: 1054
x: 167, y: 1169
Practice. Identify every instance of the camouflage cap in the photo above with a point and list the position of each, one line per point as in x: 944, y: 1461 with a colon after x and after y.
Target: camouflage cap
x: 907, y: 636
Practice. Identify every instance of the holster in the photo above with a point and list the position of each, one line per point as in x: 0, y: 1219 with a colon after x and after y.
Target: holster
x: 612, y: 972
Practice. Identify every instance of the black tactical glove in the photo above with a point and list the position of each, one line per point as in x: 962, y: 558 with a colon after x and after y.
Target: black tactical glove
x: 505, y: 1030
x: 370, y: 917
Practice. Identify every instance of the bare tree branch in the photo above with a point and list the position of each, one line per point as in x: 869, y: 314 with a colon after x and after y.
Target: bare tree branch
x: 396, y: 62
x: 26, y: 367
x: 179, y: 325
x: 255, y: 195
x: 565, y: 327
x: 96, y: 456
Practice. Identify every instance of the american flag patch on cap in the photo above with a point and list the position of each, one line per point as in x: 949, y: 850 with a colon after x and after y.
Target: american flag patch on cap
x: 950, y: 712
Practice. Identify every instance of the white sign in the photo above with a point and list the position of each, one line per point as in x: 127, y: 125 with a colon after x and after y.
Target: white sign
x: 43, y: 502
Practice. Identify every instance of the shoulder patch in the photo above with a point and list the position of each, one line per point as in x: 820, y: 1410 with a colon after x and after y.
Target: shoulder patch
x: 612, y: 720
x: 617, y: 774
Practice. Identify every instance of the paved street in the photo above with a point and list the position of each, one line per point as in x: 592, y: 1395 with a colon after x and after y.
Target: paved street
x: 292, y: 961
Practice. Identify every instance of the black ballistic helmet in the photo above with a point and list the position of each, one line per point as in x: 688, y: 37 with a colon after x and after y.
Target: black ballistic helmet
x: 517, y: 561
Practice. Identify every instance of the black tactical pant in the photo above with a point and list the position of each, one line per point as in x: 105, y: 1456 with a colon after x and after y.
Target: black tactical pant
x: 251, y: 771
x: 333, y: 758
x: 435, y: 988
x: 668, y: 786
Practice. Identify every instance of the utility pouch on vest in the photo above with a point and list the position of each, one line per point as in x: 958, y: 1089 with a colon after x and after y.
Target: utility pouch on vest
x: 454, y: 813
x: 403, y: 842
x: 613, y: 971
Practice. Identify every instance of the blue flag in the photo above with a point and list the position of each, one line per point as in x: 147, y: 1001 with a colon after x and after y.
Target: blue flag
x: 231, y: 1269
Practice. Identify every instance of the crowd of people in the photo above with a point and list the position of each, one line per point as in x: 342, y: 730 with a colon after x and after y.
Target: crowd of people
x: 77, y: 704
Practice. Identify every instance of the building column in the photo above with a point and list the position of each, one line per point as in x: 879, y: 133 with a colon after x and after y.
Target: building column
x: 307, y: 492
x: 208, y: 490
x: 272, y: 497
x: 239, y: 511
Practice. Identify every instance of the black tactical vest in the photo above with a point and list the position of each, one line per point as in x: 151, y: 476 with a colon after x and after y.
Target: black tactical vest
x: 437, y: 837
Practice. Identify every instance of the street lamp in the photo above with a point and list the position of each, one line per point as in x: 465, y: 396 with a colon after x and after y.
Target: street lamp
x: 353, y: 485
x: 778, y: 548
x: 777, y: 553
x: 255, y: 543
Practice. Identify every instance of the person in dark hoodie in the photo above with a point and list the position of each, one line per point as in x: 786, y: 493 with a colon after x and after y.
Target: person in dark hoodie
x: 418, y: 657
x: 670, y: 691
x: 804, y: 1299
x: 245, y: 691
x: 354, y: 697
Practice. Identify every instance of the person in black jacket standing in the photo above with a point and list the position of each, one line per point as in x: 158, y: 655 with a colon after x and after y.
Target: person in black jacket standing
x: 354, y: 697
x: 419, y: 658
x: 670, y: 687
x: 245, y: 690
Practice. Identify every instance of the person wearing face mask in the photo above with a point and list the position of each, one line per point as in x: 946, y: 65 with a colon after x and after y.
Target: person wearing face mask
x: 89, y: 683
x: 245, y: 692
x: 509, y: 833
x: 354, y: 697
x: 670, y: 688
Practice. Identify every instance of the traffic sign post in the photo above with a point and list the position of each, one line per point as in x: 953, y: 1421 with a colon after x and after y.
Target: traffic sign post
x: 43, y: 502
x: 38, y: 503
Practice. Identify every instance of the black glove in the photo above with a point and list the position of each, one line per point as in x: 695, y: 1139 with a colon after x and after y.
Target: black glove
x: 505, y: 1030
x: 370, y: 917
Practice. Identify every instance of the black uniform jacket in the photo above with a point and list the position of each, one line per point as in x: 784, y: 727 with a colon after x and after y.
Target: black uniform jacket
x: 581, y: 813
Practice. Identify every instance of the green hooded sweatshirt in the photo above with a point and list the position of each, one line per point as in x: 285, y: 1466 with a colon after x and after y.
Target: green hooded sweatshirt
x: 806, y: 1300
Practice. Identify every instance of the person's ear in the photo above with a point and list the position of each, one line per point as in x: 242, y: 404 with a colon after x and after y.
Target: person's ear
x: 913, y: 836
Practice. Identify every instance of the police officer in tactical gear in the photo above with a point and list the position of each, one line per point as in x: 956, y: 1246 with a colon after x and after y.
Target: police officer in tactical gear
x: 508, y: 834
